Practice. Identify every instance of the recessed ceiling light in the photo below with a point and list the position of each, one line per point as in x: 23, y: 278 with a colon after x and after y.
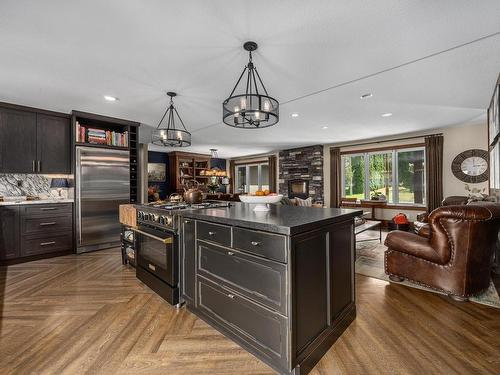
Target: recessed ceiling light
x: 295, y: 115
x: 388, y: 114
x: 366, y: 96
x: 110, y: 98
x: 324, y: 127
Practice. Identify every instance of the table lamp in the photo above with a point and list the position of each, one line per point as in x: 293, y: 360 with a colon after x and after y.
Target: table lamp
x: 59, y: 184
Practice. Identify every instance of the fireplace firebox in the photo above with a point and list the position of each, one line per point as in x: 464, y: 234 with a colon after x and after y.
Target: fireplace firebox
x: 298, y: 188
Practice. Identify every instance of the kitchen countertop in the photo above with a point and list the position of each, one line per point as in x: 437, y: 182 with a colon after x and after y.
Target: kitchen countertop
x: 39, y: 201
x: 280, y: 219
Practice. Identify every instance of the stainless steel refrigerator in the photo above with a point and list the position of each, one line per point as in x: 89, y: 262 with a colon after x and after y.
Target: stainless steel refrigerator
x: 102, y: 183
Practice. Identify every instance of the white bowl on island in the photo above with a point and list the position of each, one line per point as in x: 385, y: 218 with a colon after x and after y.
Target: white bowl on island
x: 262, y: 201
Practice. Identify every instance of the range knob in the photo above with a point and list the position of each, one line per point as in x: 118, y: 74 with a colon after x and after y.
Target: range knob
x: 168, y: 220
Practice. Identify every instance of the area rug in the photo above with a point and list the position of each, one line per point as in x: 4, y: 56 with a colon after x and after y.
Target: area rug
x: 370, y: 262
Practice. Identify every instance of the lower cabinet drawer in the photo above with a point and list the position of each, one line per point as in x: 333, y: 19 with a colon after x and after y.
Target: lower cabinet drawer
x: 35, y: 245
x: 258, y: 279
x: 264, y: 330
x: 31, y: 225
x: 46, y: 210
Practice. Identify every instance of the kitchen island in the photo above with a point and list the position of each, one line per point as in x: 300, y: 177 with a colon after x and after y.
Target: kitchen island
x: 279, y: 283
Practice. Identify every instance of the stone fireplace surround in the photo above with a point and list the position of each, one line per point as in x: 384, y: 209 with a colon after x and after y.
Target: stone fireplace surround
x: 305, y: 163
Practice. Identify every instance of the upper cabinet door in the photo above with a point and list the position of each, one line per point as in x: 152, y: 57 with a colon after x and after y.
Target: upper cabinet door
x: 17, y: 141
x: 53, y: 144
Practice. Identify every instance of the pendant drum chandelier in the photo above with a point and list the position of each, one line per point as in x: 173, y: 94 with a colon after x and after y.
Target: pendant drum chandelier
x: 171, y: 136
x: 253, y: 108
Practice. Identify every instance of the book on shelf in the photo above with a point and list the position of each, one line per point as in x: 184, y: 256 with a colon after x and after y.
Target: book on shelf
x: 100, y: 136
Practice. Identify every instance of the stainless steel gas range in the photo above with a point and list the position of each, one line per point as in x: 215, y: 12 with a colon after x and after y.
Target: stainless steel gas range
x: 157, y: 246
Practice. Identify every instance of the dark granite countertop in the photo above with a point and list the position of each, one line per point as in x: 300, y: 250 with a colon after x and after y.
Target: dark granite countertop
x: 281, y: 219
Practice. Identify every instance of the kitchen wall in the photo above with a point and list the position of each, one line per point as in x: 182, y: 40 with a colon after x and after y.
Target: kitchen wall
x: 162, y: 158
x: 456, y: 140
x: 31, y: 184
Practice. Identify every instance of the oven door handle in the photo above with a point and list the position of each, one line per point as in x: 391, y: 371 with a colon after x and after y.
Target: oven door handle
x: 164, y: 240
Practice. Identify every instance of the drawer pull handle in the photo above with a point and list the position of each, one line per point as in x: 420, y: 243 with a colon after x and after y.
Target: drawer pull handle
x: 187, y: 221
x: 255, y: 243
x: 151, y: 267
x: 48, y: 243
x: 49, y: 209
x: 230, y: 253
x: 45, y: 224
x: 231, y: 296
x: 211, y: 233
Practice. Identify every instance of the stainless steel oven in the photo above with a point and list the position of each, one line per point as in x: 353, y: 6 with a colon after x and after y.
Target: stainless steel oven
x: 157, y: 261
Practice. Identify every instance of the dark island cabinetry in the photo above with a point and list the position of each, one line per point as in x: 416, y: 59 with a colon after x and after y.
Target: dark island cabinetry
x: 34, y: 141
x: 281, y: 287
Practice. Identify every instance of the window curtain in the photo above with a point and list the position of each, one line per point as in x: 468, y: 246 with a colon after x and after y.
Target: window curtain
x: 434, y: 171
x: 335, y: 177
x: 232, y: 176
x: 272, y: 173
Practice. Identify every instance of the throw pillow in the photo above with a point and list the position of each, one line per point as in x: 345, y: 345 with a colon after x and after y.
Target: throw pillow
x: 304, y: 202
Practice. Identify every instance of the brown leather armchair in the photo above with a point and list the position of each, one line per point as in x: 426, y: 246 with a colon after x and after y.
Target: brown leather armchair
x: 455, y: 258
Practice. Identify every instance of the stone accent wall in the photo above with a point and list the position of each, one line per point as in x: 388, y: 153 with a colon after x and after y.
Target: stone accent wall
x: 302, y: 163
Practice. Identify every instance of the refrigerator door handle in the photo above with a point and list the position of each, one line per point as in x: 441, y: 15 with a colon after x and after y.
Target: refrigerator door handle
x: 78, y: 194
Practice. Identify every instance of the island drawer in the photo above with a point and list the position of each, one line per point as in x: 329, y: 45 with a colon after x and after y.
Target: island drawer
x: 259, y: 279
x: 47, y: 210
x: 218, y: 233
x: 261, y: 328
x: 272, y: 246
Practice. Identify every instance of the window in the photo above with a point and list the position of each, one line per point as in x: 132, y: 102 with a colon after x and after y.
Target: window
x: 251, y: 177
x: 411, y: 176
x: 397, y: 174
x: 354, y: 176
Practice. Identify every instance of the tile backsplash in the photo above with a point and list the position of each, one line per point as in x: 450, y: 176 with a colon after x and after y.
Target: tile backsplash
x: 32, y: 184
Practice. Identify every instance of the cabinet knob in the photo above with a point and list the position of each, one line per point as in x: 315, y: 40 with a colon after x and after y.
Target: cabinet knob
x: 211, y: 233
x: 255, y: 243
x: 231, y: 296
x: 230, y: 253
x: 187, y: 221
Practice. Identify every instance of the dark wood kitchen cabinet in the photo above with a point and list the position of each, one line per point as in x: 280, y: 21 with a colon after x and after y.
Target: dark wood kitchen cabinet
x: 34, y: 231
x: 9, y: 232
x: 34, y: 141
x: 53, y: 144
x: 17, y: 141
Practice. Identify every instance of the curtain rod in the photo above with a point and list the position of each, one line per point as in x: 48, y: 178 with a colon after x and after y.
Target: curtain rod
x: 388, y: 140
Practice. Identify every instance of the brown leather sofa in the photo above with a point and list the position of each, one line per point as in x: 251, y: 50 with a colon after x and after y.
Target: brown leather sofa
x: 456, y: 255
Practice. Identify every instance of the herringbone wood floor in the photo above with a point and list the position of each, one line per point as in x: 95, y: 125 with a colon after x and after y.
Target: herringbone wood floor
x: 89, y: 314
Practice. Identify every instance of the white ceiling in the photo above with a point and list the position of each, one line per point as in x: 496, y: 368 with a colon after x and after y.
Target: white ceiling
x: 64, y: 55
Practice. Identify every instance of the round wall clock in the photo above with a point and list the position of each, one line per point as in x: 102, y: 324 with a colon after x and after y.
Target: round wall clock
x: 471, y: 166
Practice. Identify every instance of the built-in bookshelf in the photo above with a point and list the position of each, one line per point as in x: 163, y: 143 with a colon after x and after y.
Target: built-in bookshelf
x: 186, y: 166
x: 99, y: 136
x: 93, y: 130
